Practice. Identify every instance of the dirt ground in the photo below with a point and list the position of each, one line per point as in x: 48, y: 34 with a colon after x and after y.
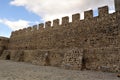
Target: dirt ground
x: 10, y: 70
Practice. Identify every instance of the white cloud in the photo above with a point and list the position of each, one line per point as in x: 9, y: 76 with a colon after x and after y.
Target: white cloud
x: 51, y: 9
x: 15, y: 25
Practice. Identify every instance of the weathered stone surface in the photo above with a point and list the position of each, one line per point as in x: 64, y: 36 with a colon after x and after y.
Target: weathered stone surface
x: 16, y: 55
x: 117, y: 5
x: 6, y: 55
x: 39, y: 57
x: 73, y: 59
x: 1, y: 50
x: 3, y: 44
x: 105, y: 59
x: 43, y: 57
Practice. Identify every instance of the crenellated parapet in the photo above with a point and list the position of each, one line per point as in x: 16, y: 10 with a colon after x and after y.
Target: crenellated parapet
x: 29, y: 29
x: 88, y: 14
x: 102, y: 11
x: 56, y: 22
x: 47, y: 35
x: 47, y: 24
x: 76, y: 17
x: 35, y: 27
x: 65, y: 20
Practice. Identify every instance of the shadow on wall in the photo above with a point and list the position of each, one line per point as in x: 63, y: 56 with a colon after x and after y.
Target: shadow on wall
x: 8, y: 57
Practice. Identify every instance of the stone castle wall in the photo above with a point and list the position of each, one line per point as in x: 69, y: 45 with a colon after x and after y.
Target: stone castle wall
x: 78, y: 33
x: 91, y: 43
x: 3, y: 44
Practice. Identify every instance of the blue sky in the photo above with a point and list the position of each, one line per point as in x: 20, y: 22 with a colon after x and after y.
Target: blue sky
x: 18, y: 14
x: 14, y: 13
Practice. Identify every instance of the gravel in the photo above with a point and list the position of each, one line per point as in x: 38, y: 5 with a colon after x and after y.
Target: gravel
x: 10, y: 70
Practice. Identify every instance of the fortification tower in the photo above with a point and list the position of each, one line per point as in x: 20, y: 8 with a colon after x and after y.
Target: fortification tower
x: 117, y: 5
